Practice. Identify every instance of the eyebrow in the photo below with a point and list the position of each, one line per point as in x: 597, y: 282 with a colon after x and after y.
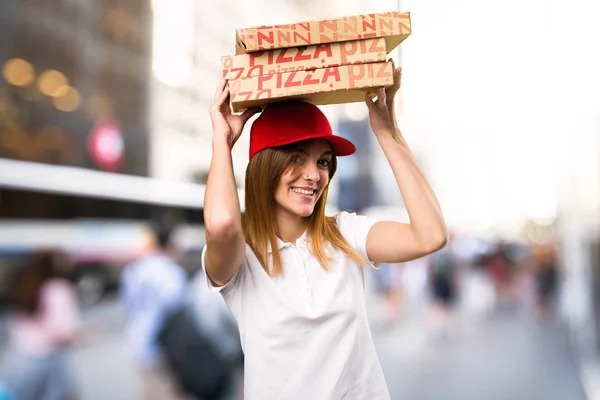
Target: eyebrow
x: 326, y: 153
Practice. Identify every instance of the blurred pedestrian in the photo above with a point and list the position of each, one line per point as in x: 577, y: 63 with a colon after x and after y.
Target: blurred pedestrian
x: 443, y: 289
x: 198, y: 347
x: 292, y: 277
x: 546, y: 275
x: 151, y: 288
x: 501, y: 268
x: 217, y: 323
x: 45, y: 323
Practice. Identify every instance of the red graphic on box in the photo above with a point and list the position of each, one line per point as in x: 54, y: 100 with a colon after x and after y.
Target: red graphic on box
x: 304, y: 58
x: 355, y: 76
x: 391, y: 25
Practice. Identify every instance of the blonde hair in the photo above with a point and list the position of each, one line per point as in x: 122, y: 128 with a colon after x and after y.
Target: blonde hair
x: 263, y: 174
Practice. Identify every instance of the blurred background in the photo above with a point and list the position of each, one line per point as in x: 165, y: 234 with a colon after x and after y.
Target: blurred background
x: 104, y: 126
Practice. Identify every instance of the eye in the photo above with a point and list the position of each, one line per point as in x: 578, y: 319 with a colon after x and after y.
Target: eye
x: 298, y: 158
x: 324, y: 163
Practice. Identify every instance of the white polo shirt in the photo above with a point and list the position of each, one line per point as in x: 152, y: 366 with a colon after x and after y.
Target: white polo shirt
x: 305, y: 335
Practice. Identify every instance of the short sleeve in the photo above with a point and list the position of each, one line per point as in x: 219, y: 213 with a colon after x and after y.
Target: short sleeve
x: 355, y: 229
x: 229, y: 286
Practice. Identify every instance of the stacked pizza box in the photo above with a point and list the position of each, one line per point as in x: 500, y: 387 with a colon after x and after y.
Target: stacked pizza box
x: 324, y: 62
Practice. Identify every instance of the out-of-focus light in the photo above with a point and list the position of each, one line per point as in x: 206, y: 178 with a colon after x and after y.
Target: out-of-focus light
x: 61, y: 91
x: 52, y: 83
x: 69, y: 101
x: 18, y: 72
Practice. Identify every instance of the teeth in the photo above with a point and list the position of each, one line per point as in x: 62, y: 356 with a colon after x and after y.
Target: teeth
x: 302, y: 191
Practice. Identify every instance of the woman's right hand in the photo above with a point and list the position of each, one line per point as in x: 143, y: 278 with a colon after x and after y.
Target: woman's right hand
x: 224, y: 122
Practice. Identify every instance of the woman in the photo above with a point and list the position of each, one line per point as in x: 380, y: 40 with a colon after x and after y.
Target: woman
x: 292, y: 277
x: 45, y: 323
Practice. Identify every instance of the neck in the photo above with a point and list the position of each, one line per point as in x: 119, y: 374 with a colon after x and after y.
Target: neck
x: 290, y: 227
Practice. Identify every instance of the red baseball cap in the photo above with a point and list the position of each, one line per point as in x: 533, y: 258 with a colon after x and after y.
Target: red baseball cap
x: 294, y: 121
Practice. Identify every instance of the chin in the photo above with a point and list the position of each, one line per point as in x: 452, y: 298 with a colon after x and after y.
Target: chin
x: 304, y: 212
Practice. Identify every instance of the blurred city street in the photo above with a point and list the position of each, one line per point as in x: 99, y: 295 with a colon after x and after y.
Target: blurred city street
x: 503, y: 356
x: 107, y: 141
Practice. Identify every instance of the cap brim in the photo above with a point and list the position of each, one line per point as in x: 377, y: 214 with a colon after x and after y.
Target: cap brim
x: 341, y: 146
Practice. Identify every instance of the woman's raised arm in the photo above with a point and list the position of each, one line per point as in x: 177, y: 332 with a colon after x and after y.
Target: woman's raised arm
x: 225, y: 243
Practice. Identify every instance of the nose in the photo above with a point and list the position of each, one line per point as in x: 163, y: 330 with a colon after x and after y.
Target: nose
x: 311, y: 172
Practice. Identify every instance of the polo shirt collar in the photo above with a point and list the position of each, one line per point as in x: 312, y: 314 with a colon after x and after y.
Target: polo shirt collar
x: 301, y: 242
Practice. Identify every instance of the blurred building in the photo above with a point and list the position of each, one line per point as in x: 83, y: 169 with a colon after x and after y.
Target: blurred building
x: 75, y: 113
x: 74, y: 89
x: 74, y: 84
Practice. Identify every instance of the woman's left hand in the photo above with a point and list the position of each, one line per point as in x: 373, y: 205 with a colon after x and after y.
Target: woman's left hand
x: 381, y: 111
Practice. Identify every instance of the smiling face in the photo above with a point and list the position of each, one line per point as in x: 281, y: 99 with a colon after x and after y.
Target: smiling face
x: 303, y: 182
